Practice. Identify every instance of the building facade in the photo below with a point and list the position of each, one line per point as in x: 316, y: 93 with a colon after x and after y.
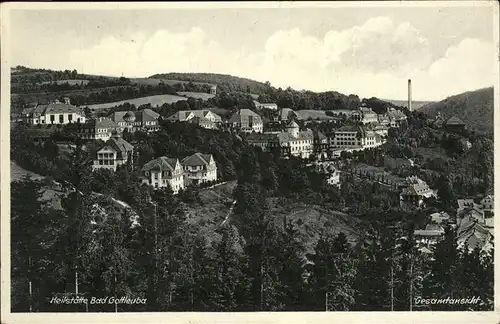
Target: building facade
x: 116, y: 151
x: 96, y: 129
x: 354, y: 137
x: 55, y: 113
x: 415, y: 192
x: 367, y: 115
x: 204, y: 118
x: 247, y: 121
x: 143, y: 120
x: 290, y: 142
x: 164, y: 172
x: 199, y: 168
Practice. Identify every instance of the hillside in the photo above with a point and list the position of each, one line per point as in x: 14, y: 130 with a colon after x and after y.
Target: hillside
x: 404, y: 103
x: 223, y: 81
x: 475, y: 108
x: 155, y: 101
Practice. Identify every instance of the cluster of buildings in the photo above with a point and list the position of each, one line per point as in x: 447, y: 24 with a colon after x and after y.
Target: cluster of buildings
x: 451, y: 124
x: 203, y: 118
x: 161, y: 172
x: 290, y: 142
x: 178, y: 174
x: 473, y: 224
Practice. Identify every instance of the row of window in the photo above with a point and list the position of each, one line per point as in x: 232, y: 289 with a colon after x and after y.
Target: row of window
x: 61, y: 120
x: 106, y: 162
x: 106, y: 155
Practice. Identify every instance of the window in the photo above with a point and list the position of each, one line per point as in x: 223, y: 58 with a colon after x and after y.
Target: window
x: 70, y: 117
x: 101, y: 162
x: 52, y: 118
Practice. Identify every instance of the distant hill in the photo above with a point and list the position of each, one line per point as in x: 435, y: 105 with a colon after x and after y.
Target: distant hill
x: 404, y: 103
x: 223, y: 81
x: 475, y: 108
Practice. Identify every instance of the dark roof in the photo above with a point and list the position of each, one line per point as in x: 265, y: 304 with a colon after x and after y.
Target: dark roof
x: 117, y: 143
x: 244, y: 115
x: 60, y: 108
x: 100, y: 123
x: 161, y: 163
x: 454, y: 120
x: 197, y: 159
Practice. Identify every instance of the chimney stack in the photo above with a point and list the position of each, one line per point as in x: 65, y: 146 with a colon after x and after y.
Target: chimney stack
x: 409, y: 95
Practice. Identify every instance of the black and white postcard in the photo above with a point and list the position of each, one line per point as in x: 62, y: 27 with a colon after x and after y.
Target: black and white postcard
x: 254, y: 162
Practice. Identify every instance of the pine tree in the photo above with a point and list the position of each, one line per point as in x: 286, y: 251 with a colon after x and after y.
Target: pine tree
x: 332, y: 274
x: 442, y: 280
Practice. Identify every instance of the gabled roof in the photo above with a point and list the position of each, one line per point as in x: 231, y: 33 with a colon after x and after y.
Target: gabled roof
x: 243, y: 115
x: 292, y: 124
x: 197, y: 159
x: 119, y: 145
x: 60, y: 108
x: 100, y: 123
x: 161, y: 163
x: 183, y: 115
x: 454, y: 120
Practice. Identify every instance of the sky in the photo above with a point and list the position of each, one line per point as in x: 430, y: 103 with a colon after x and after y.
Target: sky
x: 364, y: 51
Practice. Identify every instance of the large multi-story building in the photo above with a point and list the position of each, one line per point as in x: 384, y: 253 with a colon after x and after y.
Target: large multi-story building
x: 199, y: 168
x: 291, y: 142
x: 144, y: 120
x: 354, y: 137
x: 246, y: 121
x: 55, y: 113
x: 116, y: 151
x: 96, y: 129
x: 163, y: 172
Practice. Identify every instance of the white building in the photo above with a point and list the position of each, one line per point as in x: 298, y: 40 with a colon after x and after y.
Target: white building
x: 96, y: 129
x: 199, y: 168
x: 291, y: 142
x: 247, y: 121
x: 270, y: 106
x: 145, y: 120
x: 163, y: 172
x: 354, y: 137
x: 56, y: 113
x: 185, y: 115
x: 115, y: 152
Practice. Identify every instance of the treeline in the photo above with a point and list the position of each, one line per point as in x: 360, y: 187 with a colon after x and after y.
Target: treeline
x: 225, y: 83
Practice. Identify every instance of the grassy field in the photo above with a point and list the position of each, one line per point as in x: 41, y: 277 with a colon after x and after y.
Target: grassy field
x: 196, y: 95
x: 155, y: 101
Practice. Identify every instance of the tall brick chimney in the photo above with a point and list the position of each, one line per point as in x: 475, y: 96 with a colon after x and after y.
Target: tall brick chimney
x: 409, y: 95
